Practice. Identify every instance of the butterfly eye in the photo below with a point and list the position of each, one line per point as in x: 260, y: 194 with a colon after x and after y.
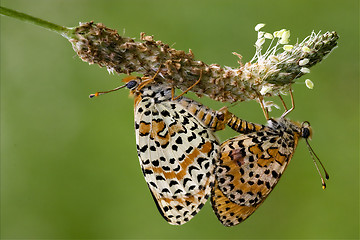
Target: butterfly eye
x: 305, y: 130
x: 131, y: 84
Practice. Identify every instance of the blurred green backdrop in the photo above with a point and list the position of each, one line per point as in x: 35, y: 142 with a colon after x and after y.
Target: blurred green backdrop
x: 69, y: 167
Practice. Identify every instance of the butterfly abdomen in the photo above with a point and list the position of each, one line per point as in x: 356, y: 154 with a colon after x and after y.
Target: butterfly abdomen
x: 242, y: 126
x: 206, y: 116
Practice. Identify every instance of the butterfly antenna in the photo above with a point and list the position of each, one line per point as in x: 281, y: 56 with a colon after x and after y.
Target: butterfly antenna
x: 101, y: 93
x: 314, y: 156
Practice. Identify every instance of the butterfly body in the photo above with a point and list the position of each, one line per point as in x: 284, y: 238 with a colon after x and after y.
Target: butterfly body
x: 251, y: 165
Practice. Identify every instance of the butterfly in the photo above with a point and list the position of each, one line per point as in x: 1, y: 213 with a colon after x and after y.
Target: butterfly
x: 251, y: 165
x: 176, y: 146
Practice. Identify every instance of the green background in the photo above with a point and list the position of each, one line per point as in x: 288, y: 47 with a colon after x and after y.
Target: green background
x: 69, y: 167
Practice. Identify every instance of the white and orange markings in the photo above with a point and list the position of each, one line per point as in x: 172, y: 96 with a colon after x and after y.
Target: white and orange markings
x: 176, y: 146
x: 251, y: 165
x: 177, y: 150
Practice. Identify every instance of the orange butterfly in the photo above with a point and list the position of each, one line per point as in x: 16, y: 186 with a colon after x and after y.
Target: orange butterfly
x: 251, y: 164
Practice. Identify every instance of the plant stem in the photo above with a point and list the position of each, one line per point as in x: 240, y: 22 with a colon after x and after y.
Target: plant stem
x: 63, y: 31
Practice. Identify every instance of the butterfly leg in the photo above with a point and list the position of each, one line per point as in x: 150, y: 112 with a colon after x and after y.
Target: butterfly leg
x: 261, y: 101
x: 149, y: 80
x: 283, y: 103
x: 292, y: 105
x: 173, y: 90
x: 265, y: 111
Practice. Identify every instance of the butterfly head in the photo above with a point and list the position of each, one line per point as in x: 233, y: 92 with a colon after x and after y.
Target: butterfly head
x: 306, y: 130
x: 302, y: 130
x: 132, y: 83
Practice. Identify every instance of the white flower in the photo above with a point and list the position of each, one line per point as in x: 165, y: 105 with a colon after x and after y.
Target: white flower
x: 306, y: 49
x: 303, y: 62
x: 284, y: 41
x: 259, y: 26
x: 285, y: 34
x: 305, y: 70
x: 268, y: 36
x: 309, y: 83
x: 273, y: 58
x: 265, y: 89
x: 288, y: 47
x: 260, y: 42
x: 279, y: 33
x: 260, y: 34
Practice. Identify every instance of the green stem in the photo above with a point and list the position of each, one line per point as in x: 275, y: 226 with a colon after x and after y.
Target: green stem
x: 63, y: 31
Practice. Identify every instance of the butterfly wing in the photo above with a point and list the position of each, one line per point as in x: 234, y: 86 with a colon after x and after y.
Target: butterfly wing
x: 227, y: 212
x: 177, y: 155
x: 250, y: 166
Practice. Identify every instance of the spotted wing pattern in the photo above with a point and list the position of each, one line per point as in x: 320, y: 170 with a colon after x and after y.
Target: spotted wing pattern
x: 250, y: 166
x: 177, y: 151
